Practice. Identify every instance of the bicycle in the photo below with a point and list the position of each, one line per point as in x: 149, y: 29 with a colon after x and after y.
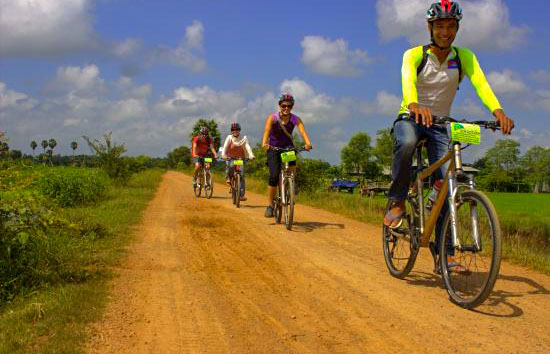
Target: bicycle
x: 283, y: 202
x: 204, y: 179
x: 470, y: 242
x: 235, y: 178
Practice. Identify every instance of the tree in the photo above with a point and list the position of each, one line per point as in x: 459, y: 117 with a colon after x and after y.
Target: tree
x: 357, y: 154
x: 536, y: 163
x: 180, y: 155
x: 383, y: 150
x: 110, y: 157
x: 74, y: 146
x: 44, y: 145
x: 504, y: 155
x: 33, y: 147
x: 212, y: 129
x: 52, y: 144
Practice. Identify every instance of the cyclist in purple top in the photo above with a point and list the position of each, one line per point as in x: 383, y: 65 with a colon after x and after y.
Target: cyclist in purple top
x: 275, y: 135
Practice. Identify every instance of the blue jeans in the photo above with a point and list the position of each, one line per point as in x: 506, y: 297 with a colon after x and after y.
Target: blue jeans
x: 229, y: 170
x: 406, y: 134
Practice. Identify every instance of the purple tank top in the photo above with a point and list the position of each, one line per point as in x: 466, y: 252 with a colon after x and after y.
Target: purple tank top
x: 277, y: 136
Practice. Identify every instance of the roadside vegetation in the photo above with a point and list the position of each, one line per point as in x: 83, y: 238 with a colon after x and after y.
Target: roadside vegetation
x: 61, y: 231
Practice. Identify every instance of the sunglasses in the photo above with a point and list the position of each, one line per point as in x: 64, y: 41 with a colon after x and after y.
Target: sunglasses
x: 286, y: 106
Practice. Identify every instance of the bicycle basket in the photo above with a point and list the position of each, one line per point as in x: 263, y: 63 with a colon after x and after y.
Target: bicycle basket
x: 288, y: 156
x: 466, y: 133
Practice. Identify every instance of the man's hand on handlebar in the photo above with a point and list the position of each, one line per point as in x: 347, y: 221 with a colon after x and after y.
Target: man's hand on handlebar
x: 308, y: 147
x: 506, y: 124
x: 422, y: 114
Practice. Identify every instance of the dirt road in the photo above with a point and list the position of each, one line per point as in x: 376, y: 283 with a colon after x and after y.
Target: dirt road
x: 205, y: 277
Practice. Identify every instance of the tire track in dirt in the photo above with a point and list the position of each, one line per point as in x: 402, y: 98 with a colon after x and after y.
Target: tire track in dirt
x: 205, y: 277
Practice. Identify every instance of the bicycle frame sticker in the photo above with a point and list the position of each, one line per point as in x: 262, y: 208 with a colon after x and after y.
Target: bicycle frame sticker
x: 207, y: 159
x: 238, y: 162
x: 466, y: 133
x: 288, y: 156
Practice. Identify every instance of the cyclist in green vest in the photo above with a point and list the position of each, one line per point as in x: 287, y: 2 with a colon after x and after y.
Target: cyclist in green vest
x: 430, y: 78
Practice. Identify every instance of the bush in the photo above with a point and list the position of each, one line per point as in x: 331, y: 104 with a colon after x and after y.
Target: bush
x: 73, y: 186
x: 36, y: 246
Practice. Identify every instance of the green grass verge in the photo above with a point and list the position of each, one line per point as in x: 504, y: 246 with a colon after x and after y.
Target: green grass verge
x: 54, y: 319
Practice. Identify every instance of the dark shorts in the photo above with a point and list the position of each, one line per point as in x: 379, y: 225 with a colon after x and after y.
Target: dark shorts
x: 274, y: 163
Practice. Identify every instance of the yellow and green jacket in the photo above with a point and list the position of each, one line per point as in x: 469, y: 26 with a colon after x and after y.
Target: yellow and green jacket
x: 435, y: 86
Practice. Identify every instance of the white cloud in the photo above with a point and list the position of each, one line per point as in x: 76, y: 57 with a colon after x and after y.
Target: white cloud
x: 37, y: 27
x: 189, y: 54
x: 386, y: 103
x: 85, y: 80
x: 470, y: 109
x: 541, y: 76
x: 506, y: 82
x: 127, y: 48
x: 332, y: 58
x: 485, y: 25
x: 10, y: 98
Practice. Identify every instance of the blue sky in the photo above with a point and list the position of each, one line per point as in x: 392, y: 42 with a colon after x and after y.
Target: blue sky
x: 147, y: 70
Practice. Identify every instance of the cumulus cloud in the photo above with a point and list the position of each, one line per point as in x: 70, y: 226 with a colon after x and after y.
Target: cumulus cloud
x: 506, y: 82
x: 485, y: 25
x: 127, y: 47
x: 34, y: 27
x: 84, y: 80
x: 385, y: 103
x: 189, y: 54
x: 10, y: 98
x: 541, y: 76
x: 333, y: 58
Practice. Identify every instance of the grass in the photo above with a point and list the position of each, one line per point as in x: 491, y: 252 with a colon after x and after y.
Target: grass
x: 54, y: 319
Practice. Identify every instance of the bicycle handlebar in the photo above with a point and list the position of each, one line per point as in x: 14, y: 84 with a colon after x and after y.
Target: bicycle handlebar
x: 444, y: 120
x: 297, y: 149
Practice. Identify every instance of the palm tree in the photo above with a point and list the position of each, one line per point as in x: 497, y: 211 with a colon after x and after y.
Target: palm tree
x: 52, y: 144
x: 44, y: 145
x: 74, y: 146
x: 33, y: 146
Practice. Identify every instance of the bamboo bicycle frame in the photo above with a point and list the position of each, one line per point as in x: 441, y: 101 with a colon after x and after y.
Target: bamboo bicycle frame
x: 426, y: 229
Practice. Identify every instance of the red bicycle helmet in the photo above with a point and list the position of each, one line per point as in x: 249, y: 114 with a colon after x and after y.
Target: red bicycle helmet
x: 235, y: 126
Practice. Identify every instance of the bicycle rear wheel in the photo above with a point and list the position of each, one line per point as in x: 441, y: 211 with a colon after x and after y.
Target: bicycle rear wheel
x: 198, y: 185
x: 289, y: 202
x: 470, y: 272
x: 208, y: 186
x: 400, y: 246
x: 237, y: 189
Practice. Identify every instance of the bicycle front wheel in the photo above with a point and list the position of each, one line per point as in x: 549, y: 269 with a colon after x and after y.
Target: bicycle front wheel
x: 289, y: 202
x: 400, y: 249
x: 198, y: 186
x: 237, y: 190
x: 208, y: 186
x: 470, y: 269
x: 277, y: 206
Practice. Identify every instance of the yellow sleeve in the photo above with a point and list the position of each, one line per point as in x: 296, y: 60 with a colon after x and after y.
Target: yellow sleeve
x: 471, y: 68
x: 411, y: 61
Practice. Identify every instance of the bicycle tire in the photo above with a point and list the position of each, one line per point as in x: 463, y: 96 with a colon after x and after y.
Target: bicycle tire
x: 208, y: 185
x: 289, y: 202
x: 277, y: 206
x: 232, y: 187
x: 402, y: 241
x: 198, y: 186
x: 238, y: 190
x: 490, y: 255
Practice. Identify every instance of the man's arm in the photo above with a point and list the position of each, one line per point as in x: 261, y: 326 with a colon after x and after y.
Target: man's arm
x: 411, y: 60
x: 225, y: 146
x: 473, y: 70
x: 194, y: 148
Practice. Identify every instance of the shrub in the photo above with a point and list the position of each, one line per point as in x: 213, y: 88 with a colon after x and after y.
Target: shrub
x: 73, y: 186
x: 36, y: 246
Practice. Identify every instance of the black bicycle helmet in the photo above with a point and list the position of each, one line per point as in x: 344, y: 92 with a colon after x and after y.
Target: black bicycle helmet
x: 444, y: 9
x: 286, y: 97
x: 204, y: 130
